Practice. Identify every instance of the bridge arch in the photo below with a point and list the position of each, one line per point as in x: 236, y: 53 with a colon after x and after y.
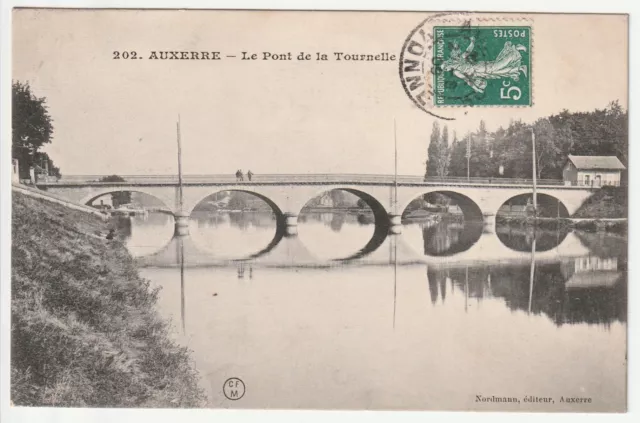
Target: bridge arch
x: 219, y: 249
x: 548, y: 205
x: 469, y: 207
x: 380, y: 212
x: 94, y: 195
x: 382, y: 221
x: 277, y: 210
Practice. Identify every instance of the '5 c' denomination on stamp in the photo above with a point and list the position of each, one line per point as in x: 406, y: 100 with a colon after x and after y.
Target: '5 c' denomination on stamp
x: 484, y: 66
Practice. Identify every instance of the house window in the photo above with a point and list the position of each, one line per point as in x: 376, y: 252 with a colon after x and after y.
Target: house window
x: 586, y: 179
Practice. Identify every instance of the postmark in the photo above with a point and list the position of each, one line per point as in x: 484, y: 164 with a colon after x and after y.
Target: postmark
x: 465, y: 60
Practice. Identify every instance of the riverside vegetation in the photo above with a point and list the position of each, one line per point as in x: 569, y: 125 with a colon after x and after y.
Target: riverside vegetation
x: 606, y: 210
x: 84, y: 330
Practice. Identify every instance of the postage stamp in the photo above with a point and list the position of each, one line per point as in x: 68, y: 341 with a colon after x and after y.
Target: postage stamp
x: 458, y: 59
x: 482, y: 66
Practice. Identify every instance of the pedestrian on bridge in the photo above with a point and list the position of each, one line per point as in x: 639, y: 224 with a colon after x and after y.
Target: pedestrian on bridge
x: 249, y: 175
x: 239, y: 176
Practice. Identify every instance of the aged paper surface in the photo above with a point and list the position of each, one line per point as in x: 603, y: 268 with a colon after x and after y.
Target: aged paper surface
x: 319, y: 210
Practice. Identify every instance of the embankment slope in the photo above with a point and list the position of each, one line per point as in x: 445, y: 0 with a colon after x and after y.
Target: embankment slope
x: 84, y: 330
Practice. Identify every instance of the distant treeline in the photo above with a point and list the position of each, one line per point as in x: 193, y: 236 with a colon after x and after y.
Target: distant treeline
x: 600, y: 132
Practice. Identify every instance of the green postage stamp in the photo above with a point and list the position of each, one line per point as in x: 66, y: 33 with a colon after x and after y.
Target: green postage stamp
x: 482, y: 66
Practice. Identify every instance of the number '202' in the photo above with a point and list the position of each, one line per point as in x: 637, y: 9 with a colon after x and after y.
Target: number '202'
x: 125, y: 55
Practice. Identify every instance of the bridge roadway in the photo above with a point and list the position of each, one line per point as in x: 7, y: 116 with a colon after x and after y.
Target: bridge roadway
x: 287, y: 194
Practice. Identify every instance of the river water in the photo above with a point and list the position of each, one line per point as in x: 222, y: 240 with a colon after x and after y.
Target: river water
x: 429, y: 319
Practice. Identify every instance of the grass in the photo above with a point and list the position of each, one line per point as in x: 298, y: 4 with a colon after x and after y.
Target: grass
x: 607, y: 202
x: 84, y: 329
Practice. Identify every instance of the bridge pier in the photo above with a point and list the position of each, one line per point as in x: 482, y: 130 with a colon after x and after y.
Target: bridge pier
x: 489, y: 223
x: 290, y: 231
x: 290, y: 224
x: 182, y: 223
x: 395, y: 224
x: 291, y: 219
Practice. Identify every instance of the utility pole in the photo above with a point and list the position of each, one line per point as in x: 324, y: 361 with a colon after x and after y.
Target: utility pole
x: 395, y: 147
x: 468, y: 152
x: 180, y: 245
x: 179, y: 165
x: 466, y: 288
x: 533, y: 158
x: 532, y: 270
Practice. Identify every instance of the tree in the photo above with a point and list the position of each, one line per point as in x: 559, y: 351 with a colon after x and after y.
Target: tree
x: 481, y: 163
x: 548, y: 148
x: 32, y: 126
x: 120, y: 197
x: 339, y: 198
x: 458, y: 157
x: 43, y: 160
x: 599, y: 132
x: 443, y: 154
x: 432, y: 151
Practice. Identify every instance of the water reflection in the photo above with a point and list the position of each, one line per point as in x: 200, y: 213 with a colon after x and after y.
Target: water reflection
x: 145, y: 234
x: 589, y: 287
x: 443, y: 237
x: 395, y: 312
x: 339, y: 235
x: 234, y: 235
x: 566, y: 292
x: 522, y: 238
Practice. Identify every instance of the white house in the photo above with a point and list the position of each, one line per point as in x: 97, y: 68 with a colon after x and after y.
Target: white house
x: 593, y: 171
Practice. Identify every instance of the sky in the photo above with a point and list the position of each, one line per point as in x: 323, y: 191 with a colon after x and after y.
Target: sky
x: 119, y: 116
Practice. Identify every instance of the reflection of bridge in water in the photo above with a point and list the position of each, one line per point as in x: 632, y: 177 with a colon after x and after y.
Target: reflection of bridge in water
x: 290, y: 251
x: 569, y: 283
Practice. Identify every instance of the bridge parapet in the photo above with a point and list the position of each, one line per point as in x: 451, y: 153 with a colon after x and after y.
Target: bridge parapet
x: 326, y: 178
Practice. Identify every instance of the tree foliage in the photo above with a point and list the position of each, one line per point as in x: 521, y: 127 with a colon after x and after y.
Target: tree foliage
x: 43, y: 161
x: 32, y: 126
x: 443, y: 154
x: 600, y: 132
x: 432, y: 151
x: 438, y: 152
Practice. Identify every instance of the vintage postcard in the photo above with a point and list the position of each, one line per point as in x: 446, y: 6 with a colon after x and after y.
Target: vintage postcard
x: 323, y: 210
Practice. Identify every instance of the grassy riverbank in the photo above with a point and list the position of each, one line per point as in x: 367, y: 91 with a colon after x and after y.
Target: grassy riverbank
x: 606, y: 211
x: 608, y: 202
x: 84, y: 331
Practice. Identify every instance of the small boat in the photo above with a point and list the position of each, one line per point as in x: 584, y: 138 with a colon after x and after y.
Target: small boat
x: 129, y: 210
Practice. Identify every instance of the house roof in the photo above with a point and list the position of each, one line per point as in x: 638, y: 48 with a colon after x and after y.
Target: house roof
x: 596, y: 162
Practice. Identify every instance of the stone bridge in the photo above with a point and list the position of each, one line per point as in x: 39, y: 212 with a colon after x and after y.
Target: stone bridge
x: 386, y: 195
